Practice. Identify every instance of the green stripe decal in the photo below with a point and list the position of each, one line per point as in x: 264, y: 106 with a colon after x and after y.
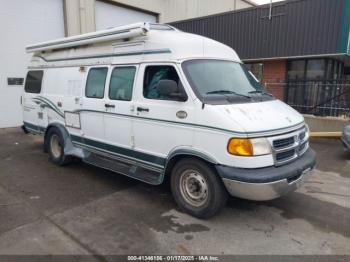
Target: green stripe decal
x: 151, y: 159
x: 159, y: 120
x: 47, y: 103
x: 37, y: 128
x: 233, y: 133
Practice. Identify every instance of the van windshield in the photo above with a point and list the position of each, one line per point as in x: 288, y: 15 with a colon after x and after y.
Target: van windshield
x: 223, y: 81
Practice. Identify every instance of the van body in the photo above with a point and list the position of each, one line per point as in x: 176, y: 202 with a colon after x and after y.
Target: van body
x: 154, y: 103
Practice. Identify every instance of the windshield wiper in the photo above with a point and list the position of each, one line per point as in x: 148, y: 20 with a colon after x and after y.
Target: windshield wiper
x: 260, y: 92
x: 223, y: 92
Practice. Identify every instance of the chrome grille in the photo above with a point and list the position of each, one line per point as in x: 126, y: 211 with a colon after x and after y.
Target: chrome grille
x: 281, y: 143
x: 285, y: 155
x: 288, y: 147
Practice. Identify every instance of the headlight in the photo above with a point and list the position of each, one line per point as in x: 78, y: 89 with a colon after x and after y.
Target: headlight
x: 249, y: 147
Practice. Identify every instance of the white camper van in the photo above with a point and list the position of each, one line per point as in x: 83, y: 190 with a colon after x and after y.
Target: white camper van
x: 151, y: 102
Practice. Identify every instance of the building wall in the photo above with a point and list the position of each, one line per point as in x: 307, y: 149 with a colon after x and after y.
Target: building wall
x: 297, y: 28
x: 175, y: 10
x: 23, y: 23
x: 274, y: 77
x: 80, y: 14
x: 107, y: 15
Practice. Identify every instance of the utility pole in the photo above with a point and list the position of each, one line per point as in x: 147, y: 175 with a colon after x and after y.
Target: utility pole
x: 270, y: 14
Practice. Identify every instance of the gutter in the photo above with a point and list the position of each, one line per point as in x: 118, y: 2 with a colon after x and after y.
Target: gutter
x: 292, y: 57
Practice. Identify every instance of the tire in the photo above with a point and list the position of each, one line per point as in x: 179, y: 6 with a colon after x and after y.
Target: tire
x: 197, y: 189
x: 55, y: 148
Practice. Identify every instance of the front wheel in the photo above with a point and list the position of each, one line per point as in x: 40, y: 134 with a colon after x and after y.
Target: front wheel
x: 197, y: 189
x: 56, y: 147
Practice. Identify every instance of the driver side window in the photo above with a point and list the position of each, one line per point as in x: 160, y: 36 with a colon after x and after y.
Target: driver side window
x: 153, y: 74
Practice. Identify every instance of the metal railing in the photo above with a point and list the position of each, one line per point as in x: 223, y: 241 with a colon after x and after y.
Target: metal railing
x: 321, y: 98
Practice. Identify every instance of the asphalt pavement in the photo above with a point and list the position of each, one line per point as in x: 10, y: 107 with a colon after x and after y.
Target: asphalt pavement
x: 81, y: 209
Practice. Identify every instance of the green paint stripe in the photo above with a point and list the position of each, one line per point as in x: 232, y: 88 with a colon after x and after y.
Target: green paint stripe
x: 136, y: 155
x: 34, y: 127
x: 48, y: 104
x: 345, y: 29
x: 51, y: 103
x: 122, y: 158
x: 233, y: 133
x: 146, y: 52
x: 154, y: 162
x: 160, y: 121
x: 126, y: 159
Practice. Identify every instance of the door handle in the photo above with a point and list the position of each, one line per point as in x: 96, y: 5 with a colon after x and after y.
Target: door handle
x: 142, y: 109
x: 109, y: 106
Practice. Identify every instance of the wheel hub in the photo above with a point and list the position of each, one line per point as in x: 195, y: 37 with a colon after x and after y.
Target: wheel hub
x: 194, y: 187
x: 55, y: 145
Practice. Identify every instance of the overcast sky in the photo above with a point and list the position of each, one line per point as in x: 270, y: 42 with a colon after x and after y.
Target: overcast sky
x: 261, y: 2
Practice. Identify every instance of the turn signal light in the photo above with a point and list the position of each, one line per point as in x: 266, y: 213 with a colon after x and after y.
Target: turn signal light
x: 240, y: 147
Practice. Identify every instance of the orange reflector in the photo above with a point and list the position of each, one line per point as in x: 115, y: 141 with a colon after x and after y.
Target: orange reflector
x: 240, y: 147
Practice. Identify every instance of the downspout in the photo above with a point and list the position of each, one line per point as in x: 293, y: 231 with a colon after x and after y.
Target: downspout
x: 82, y: 14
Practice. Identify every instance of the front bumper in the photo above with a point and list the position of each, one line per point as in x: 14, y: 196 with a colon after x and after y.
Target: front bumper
x: 268, y: 183
x: 346, y: 136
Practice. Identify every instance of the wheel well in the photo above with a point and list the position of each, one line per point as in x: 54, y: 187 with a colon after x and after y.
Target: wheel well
x: 59, y: 127
x: 172, y: 162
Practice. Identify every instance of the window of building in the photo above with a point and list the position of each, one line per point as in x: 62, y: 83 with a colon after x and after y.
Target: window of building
x: 153, y: 74
x: 257, y: 69
x: 316, y: 69
x: 346, y: 72
x: 121, y: 84
x: 296, y: 69
x: 330, y: 66
x: 340, y: 70
x: 33, y: 81
x: 95, y: 83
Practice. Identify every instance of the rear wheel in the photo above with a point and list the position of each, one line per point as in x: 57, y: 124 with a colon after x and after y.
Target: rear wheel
x: 56, y: 147
x: 197, y: 189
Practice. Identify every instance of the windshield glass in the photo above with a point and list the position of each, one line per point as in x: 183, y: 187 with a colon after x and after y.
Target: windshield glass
x: 221, y: 78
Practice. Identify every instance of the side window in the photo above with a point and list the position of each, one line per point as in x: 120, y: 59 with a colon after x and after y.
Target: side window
x: 153, y: 74
x: 122, y: 82
x: 33, y: 81
x: 95, y: 83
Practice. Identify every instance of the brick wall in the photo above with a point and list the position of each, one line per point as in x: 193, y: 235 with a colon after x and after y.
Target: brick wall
x: 274, y: 75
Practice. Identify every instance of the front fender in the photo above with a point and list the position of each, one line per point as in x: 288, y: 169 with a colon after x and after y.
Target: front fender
x: 186, y: 152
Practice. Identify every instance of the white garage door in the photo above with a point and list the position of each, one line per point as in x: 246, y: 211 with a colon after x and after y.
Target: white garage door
x: 22, y: 23
x: 109, y: 15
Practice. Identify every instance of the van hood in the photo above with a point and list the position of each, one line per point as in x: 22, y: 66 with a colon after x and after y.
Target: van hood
x: 262, y: 116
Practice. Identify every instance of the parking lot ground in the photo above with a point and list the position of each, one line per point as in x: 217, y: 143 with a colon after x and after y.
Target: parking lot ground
x: 81, y: 209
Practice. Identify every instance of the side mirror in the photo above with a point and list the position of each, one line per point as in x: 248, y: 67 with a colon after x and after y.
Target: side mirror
x: 170, y: 88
